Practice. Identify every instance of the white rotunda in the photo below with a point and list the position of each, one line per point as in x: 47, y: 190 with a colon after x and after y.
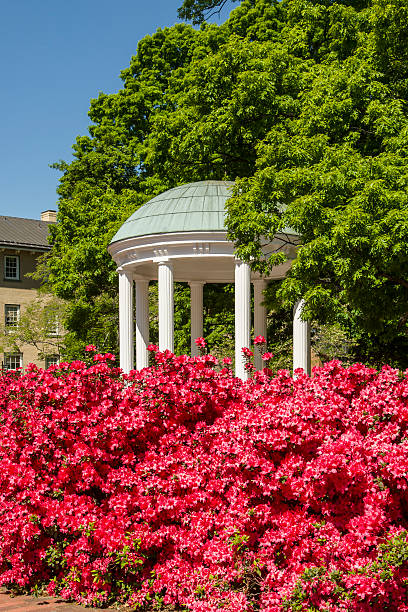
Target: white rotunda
x: 180, y: 235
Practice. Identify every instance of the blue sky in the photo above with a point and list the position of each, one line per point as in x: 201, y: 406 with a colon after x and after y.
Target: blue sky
x: 55, y: 57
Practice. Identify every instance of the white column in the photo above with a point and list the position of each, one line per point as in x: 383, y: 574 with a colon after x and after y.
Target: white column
x: 196, y: 309
x: 301, y: 339
x: 142, y: 323
x: 242, y: 315
x: 126, y: 347
x: 166, y: 306
x: 259, y: 319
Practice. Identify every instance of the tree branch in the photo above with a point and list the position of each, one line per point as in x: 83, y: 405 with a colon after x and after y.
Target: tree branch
x: 199, y: 10
x: 217, y: 11
x: 394, y: 279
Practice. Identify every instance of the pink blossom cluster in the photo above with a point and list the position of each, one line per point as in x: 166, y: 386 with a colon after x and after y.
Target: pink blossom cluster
x: 180, y: 485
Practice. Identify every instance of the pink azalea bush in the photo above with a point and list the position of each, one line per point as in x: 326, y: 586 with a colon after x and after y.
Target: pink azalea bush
x: 182, y: 486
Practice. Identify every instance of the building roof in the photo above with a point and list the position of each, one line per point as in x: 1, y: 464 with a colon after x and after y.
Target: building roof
x: 24, y: 233
x: 193, y: 207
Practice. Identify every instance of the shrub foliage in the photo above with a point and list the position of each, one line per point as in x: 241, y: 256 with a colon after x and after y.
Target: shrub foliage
x: 181, y: 486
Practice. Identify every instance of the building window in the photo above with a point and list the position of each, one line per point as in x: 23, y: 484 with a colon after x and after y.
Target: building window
x: 12, y: 315
x: 13, y: 361
x: 11, y: 267
x: 52, y: 323
x: 51, y: 360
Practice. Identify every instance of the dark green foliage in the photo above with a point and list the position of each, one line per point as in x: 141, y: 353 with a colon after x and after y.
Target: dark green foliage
x: 338, y: 167
x: 219, y: 320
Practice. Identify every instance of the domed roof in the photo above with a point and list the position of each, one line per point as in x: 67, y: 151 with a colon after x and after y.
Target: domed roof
x: 193, y: 207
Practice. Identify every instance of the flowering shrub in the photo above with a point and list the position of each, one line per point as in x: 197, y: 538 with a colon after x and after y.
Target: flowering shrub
x: 180, y: 485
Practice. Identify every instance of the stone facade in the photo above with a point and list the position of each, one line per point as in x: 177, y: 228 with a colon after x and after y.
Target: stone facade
x: 22, y: 241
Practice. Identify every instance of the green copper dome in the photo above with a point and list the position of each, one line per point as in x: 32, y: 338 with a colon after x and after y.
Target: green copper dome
x: 188, y: 208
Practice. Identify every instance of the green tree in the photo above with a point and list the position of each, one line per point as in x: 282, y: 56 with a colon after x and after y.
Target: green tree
x: 121, y: 163
x: 338, y: 169
x: 304, y: 103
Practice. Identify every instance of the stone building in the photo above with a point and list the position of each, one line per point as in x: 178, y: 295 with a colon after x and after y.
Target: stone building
x: 22, y: 241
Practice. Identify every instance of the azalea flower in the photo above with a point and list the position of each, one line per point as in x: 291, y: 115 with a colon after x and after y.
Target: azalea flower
x: 259, y: 340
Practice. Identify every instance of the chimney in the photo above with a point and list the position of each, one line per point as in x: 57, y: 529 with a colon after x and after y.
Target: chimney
x: 49, y: 215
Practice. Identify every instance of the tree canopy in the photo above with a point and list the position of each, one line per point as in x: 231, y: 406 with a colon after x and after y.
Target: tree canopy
x: 304, y: 103
x: 338, y: 167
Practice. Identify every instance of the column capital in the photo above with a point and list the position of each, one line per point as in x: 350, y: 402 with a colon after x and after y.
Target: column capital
x: 140, y: 279
x: 122, y: 271
x: 164, y: 261
x: 197, y: 283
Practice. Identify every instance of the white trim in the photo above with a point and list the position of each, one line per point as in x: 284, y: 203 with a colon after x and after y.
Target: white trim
x: 135, y: 253
x: 17, y: 258
x: 11, y: 356
x: 8, y: 308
